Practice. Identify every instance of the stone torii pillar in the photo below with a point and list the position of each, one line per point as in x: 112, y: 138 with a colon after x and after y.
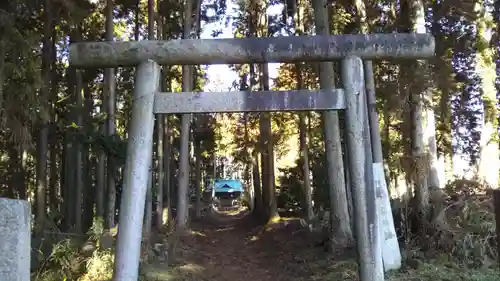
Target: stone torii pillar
x: 148, y: 55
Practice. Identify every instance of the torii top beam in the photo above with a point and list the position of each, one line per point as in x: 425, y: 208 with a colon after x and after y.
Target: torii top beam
x: 252, y: 50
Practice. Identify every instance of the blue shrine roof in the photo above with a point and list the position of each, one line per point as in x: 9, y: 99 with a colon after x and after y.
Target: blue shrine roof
x: 228, y: 185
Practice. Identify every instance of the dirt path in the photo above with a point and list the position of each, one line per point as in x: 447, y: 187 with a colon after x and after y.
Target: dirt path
x: 234, y: 248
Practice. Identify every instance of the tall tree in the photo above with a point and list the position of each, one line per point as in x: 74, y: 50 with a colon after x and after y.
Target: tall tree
x: 419, y: 94
x: 488, y: 165
x: 182, y: 204
x: 298, y: 14
x: 266, y: 134
x: 43, y: 134
x: 340, y: 222
x: 198, y: 123
x: 253, y: 22
x: 148, y: 212
x: 78, y: 192
x: 160, y: 120
x: 109, y: 93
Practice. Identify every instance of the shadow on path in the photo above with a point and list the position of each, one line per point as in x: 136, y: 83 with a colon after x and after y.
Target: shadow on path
x: 233, y: 247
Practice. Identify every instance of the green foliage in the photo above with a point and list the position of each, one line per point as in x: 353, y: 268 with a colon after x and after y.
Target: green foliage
x: 64, y: 263
x: 99, y: 267
x: 291, y: 189
x: 96, y: 230
x: 292, y: 184
x: 114, y: 146
x: 68, y: 262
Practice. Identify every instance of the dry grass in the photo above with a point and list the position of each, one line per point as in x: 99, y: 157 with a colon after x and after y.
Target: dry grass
x: 465, y: 228
x: 347, y: 270
x: 461, y: 246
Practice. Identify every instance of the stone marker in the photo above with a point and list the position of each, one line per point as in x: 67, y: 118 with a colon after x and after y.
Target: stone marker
x: 15, y: 240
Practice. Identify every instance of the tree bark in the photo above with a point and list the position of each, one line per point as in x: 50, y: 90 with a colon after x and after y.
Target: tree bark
x: 109, y: 92
x: 267, y: 156
x: 489, y: 150
x: 304, y: 149
x: 88, y: 160
x: 256, y: 183
x: 78, y: 193
x: 197, y: 125
x: 197, y: 173
x: 167, y: 148
x: 43, y: 134
x: 419, y: 93
x: 340, y: 222
x: 160, y: 138
x: 3, y: 55
x: 53, y: 186
x: 182, y: 204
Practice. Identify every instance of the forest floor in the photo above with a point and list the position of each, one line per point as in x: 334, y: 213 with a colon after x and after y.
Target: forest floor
x: 233, y: 247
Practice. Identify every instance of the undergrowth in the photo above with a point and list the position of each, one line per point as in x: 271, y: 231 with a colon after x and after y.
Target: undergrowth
x: 464, y: 228
x: 67, y: 262
x: 428, y: 271
x: 459, y: 245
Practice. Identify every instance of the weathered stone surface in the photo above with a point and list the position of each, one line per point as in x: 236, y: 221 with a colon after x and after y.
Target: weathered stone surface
x: 245, y: 101
x: 15, y: 240
x: 160, y: 252
x: 391, y: 255
x: 252, y: 50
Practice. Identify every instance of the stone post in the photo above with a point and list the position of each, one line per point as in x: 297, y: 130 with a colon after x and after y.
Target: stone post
x: 15, y: 240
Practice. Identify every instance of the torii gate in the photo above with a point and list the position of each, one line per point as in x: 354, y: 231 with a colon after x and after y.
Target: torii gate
x: 147, y: 100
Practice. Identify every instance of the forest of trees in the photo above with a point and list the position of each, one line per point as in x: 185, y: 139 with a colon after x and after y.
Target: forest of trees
x: 63, y: 131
